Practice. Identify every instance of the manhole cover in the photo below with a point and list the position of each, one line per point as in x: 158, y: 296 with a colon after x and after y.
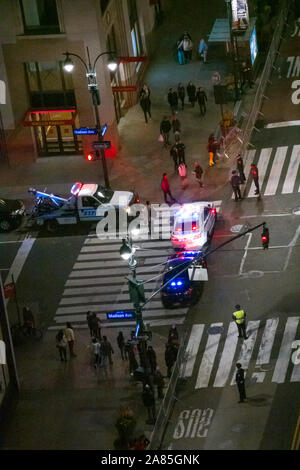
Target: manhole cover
x: 239, y: 427
x: 236, y: 228
x: 215, y: 330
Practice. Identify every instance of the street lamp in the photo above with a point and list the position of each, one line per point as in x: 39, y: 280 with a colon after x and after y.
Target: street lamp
x: 137, y: 296
x: 233, y: 47
x: 93, y: 89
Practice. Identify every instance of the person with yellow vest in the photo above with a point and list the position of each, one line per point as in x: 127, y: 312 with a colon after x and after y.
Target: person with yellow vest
x: 239, y: 317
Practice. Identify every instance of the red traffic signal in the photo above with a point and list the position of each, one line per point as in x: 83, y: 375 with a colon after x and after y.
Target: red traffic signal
x: 90, y: 157
x: 265, y: 238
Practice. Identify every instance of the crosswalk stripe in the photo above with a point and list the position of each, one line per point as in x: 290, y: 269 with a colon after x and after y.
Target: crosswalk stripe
x: 285, y: 350
x: 227, y: 357
x: 147, y: 315
x: 103, y: 264
x: 208, y: 358
x: 262, y: 168
x: 192, y: 350
x: 112, y: 256
x: 267, y: 341
x: 296, y: 371
x: 274, y: 177
x: 101, y: 307
x: 102, y: 280
x: 104, y: 289
x: 247, y: 346
x: 292, y: 171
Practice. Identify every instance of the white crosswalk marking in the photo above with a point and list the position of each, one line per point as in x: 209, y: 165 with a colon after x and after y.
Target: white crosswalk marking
x: 262, y: 168
x: 227, y: 356
x: 98, y: 282
x: 267, y: 341
x: 273, y: 158
x: 208, y: 358
x: 276, y: 171
x: 285, y: 350
x: 247, y: 346
x: 191, y: 350
x: 291, y: 175
x: 234, y: 350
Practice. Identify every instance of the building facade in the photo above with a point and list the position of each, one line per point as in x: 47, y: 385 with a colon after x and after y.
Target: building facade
x: 44, y: 102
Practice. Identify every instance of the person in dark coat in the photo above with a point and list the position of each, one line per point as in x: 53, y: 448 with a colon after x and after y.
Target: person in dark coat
x: 166, y: 188
x: 149, y: 403
x: 151, y: 358
x: 165, y: 127
x: 235, y: 183
x: 174, y: 155
x: 240, y: 168
x: 181, y: 152
x: 173, y: 100
x: 95, y: 323
x: 254, y: 174
x: 246, y: 75
x: 191, y: 91
x: 90, y: 322
x: 106, y: 351
x: 201, y: 98
x: 159, y: 382
x: 133, y: 364
x: 170, y: 356
x: 181, y: 94
x: 198, y: 171
x: 145, y: 103
x: 173, y: 334
x: 121, y: 344
x: 240, y: 381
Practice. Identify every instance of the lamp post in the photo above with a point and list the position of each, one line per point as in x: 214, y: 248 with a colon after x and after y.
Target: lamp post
x: 93, y: 89
x: 233, y: 47
x: 137, y: 296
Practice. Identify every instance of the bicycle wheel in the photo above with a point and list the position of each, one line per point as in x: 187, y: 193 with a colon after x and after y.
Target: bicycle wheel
x: 37, y: 333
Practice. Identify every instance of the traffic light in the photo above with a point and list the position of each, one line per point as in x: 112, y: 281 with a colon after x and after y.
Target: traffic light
x: 265, y: 238
x: 92, y: 156
x: 136, y: 292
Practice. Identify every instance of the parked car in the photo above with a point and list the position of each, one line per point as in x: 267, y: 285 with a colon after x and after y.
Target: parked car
x: 182, y: 290
x: 11, y: 214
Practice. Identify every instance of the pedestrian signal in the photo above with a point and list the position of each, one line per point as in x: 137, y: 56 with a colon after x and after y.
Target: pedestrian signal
x: 265, y: 238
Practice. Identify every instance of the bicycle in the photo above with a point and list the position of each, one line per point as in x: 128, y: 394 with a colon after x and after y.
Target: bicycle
x: 21, y: 332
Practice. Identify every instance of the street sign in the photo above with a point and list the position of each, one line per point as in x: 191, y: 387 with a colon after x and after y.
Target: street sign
x: 121, y: 315
x: 104, y: 144
x: 85, y: 131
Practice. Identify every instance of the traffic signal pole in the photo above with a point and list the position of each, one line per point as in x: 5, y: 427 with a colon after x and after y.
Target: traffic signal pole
x: 96, y: 100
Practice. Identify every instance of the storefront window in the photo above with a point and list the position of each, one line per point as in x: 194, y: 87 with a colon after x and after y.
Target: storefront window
x: 136, y: 39
x: 40, y: 16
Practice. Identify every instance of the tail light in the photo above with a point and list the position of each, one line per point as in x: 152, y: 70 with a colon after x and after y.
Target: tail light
x: 213, y: 211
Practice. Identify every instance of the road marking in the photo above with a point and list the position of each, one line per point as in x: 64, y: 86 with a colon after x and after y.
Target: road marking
x: 191, y: 350
x: 227, y: 357
x: 262, y: 165
x: 208, y: 358
x: 267, y: 341
x: 19, y: 261
x: 285, y: 350
x: 247, y: 346
x: 274, y: 176
x: 292, y: 171
x: 249, y: 235
x: 275, y: 125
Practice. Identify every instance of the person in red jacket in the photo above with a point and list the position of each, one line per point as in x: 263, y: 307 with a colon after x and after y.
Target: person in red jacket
x: 166, y: 187
x: 254, y: 174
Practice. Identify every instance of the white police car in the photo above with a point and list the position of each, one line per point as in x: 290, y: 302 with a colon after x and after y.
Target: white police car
x: 193, y: 225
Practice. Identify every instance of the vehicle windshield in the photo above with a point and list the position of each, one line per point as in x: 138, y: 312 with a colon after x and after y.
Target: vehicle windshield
x: 103, y: 195
x: 187, y: 225
x: 177, y: 266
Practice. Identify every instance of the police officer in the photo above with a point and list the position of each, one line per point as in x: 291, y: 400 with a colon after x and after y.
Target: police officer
x: 240, y: 381
x: 239, y: 317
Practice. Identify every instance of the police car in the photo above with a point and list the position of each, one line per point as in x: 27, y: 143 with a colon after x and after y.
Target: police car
x: 182, y: 284
x: 194, y: 225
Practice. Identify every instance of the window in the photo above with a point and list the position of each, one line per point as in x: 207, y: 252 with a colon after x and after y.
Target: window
x: 40, y: 16
x: 103, y: 5
x: 48, y: 84
x: 135, y: 29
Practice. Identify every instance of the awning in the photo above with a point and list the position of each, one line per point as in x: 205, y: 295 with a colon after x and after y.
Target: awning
x: 49, y: 122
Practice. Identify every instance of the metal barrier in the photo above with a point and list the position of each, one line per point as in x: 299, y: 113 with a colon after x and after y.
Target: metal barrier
x: 241, y: 141
x: 170, y: 397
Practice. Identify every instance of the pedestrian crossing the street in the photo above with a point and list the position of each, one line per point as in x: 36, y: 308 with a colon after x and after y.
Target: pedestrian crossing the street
x: 267, y: 355
x: 98, y: 282
x: 278, y: 169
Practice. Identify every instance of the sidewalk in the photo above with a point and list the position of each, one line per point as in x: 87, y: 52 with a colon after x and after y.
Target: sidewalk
x: 73, y: 406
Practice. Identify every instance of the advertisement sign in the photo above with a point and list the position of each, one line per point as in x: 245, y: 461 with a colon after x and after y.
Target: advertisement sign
x: 253, y: 46
x: 240, y: 14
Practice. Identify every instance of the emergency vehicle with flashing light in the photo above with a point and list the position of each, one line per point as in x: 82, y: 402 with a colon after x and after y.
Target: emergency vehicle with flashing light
x: 194, y: 225
x: 88, y: 203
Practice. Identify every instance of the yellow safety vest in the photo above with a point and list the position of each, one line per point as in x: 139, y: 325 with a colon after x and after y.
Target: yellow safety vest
x: 239, y: 316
